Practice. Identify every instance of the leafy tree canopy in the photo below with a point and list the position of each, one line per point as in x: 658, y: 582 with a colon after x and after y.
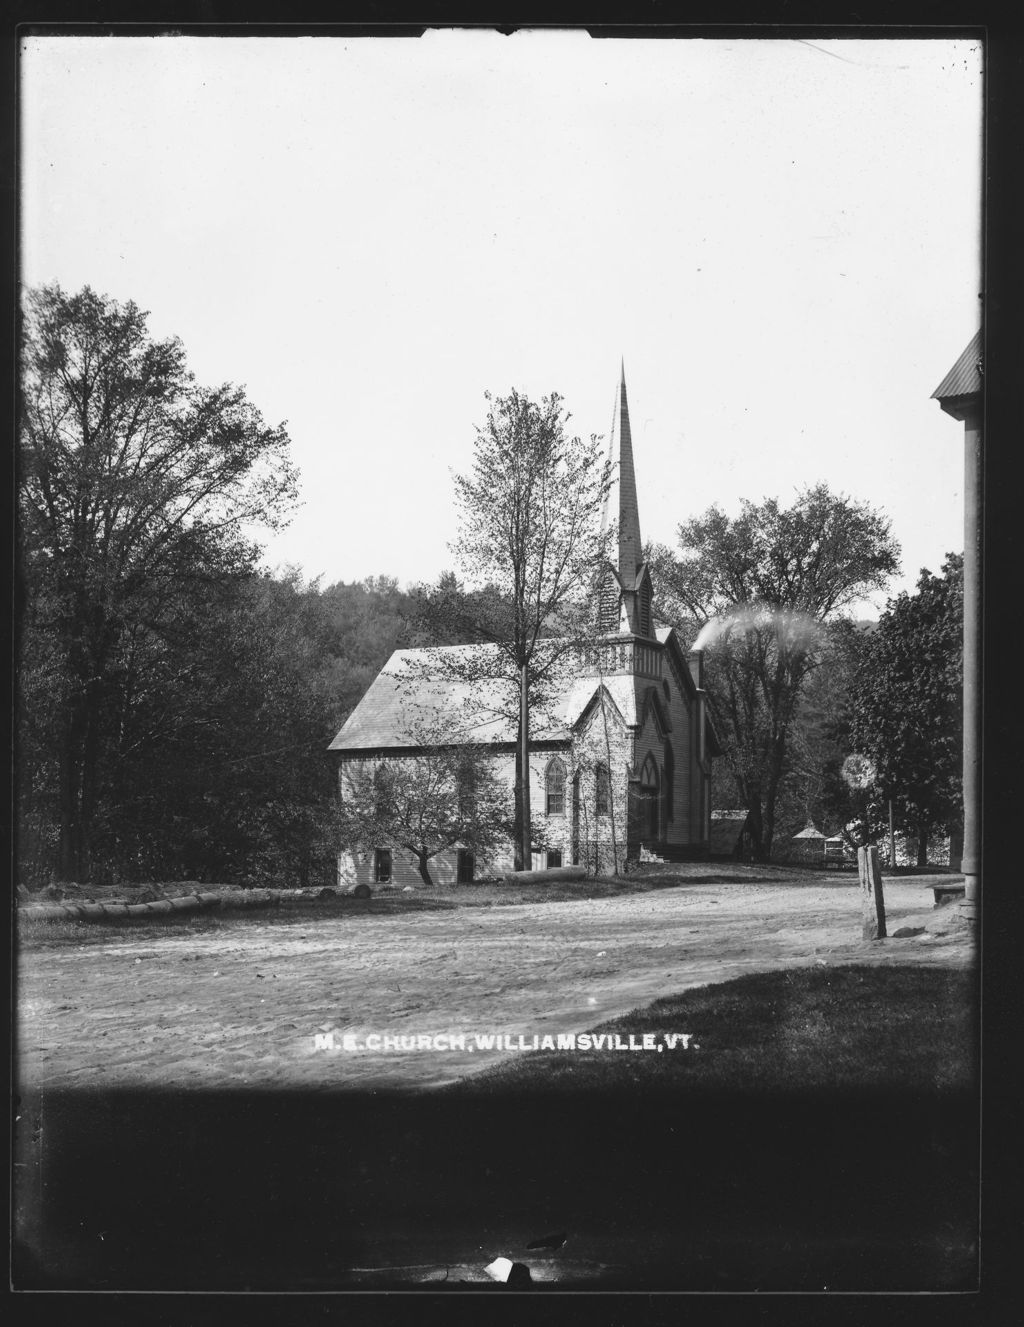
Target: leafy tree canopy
x: 529, y: 549
x: 904, y: 707
x: 760, y: 594
x: 137, y: 486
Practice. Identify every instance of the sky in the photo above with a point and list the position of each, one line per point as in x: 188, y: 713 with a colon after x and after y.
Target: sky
x: 779, y: 238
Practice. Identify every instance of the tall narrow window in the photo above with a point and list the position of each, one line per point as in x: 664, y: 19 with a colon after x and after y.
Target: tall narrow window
x: 467, y: 790
x: 555, y: 785
x: 382, y: 865
x: 602, y: 791
x: 383, y: 792
x: 465, y: 866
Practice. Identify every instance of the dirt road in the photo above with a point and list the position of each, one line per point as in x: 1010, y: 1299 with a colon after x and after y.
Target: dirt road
x: 241, y: 1005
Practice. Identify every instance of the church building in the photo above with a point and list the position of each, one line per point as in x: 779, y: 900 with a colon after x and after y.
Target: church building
x: 620, y: 765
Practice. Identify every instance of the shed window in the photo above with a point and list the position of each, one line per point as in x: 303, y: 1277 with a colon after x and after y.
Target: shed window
x: 555, y: 785
x: 383, y: 792
x: 382, y: 865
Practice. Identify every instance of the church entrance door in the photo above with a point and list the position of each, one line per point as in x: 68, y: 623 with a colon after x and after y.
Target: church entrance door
x: 650, y: 799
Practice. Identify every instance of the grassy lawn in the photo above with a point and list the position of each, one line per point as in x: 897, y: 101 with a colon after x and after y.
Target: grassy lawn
x: 808, y: 1030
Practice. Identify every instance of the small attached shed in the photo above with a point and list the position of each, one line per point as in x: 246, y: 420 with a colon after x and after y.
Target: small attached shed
x: 808, y: 846
x: 837, y: 851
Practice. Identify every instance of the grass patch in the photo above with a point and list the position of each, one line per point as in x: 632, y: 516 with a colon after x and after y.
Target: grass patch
x: 805, y: 1030
x: 36, y: 933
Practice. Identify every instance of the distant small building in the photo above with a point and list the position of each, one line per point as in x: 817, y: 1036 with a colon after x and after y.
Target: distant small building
x: 813, y: 848
x: 837, y: 851
x: 807, y: 846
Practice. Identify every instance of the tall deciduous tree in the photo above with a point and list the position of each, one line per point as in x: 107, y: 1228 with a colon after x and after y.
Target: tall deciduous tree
x: 135, y: 483
x: 905, y: 704
x: 529, y: 547
x: 762, y: 588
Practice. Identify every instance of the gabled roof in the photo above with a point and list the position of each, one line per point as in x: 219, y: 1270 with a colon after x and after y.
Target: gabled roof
x: 414, y: 692
x: 964, y: 378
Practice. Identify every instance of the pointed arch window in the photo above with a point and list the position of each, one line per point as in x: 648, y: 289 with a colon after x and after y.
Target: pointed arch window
x: 554, y: 783
x: 602, y: 791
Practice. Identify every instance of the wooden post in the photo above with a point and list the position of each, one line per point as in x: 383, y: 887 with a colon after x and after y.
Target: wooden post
x: 872, y: 903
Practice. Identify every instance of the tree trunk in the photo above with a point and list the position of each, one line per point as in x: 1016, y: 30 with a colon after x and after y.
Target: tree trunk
x: 778, y: 764
x: 754, y: 824
x: 90, y: 783
x: 956, y: 845
x: 768, y: 822
x: 78, y: 758
x: 517, y: 813
x: 523, y: 776
x: 70, y: 776
x: 922, y: 845
x: 422, y: 858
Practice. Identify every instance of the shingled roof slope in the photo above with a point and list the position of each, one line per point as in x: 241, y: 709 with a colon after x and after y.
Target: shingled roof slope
x: 414, y: 692
x: 964, y: 378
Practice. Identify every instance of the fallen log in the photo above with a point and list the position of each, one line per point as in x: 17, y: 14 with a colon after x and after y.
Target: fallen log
x: 188, y: 903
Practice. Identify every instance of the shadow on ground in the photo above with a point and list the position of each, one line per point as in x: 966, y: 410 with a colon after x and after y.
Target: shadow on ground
x: 286, y: 1191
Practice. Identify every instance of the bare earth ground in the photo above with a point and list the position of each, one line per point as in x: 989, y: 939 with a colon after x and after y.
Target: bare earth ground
x: 237, y: 1003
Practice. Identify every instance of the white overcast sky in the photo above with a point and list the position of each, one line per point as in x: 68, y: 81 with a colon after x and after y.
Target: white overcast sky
x: 781, y: 238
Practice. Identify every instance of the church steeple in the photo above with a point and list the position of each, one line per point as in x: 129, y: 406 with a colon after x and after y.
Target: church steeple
x: 630, y: 546
x: 625, y: 597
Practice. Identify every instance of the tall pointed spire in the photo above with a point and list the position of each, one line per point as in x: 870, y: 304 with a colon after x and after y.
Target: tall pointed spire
x: 630, y: 546
x: 619, y: 607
